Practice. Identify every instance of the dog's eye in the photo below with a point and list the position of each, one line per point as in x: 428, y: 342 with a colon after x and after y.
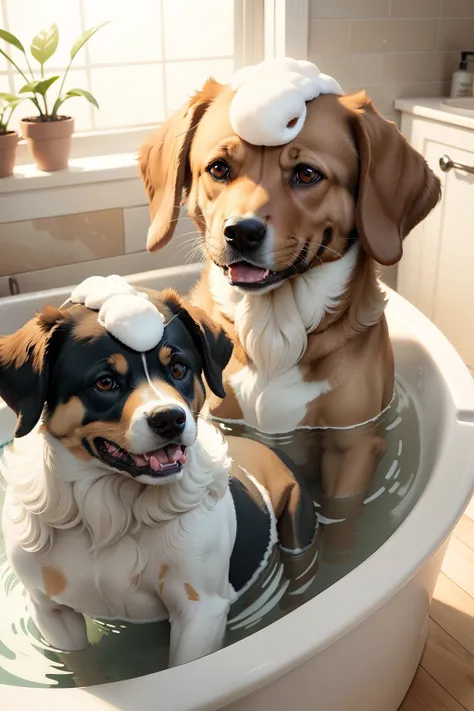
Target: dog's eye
x: 105, y: 384
x: 219, y: 170
x: 178, y: 370
x: 306, y: 175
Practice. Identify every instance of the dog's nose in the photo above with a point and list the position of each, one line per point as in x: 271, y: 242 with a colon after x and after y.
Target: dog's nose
x: 168, y: 422
x: 245, y: 234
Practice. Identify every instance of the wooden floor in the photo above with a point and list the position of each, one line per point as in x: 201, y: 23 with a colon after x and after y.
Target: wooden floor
x: 445, y: 678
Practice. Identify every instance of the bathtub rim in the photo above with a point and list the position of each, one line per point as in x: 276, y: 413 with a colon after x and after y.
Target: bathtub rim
x: 237, y: 670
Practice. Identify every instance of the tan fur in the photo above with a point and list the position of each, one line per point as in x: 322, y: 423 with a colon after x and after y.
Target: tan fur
x: 165, y: 355
x: 30, y: 340
x: 199, y: 397
x: 86, y: 327
x: 161, y: 579
x: 54, y: 581
x: 119, y: 363
x: 191, y: 592
x: 66, y: 418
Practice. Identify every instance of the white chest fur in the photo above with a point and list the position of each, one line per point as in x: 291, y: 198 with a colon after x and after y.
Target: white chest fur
x: 273, y: 329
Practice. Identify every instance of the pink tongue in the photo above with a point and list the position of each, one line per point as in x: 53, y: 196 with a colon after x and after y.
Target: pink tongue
x: 174, y: 452
x: 160, y: 458
x: 247, y: 273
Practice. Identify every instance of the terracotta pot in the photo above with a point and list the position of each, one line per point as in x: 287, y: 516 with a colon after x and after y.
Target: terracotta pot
x: 8, y: 143
x: 49, y: 141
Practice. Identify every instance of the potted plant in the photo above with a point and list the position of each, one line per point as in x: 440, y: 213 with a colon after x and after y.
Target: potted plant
x: 8, y: 139
x: 49, y: 133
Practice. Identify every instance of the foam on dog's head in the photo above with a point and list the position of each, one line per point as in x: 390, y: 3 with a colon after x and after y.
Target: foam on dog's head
x: 128, y: 315
x: 269, y: 107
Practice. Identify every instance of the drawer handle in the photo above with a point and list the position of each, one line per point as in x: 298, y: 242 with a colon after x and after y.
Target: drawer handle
x: 445, y: 163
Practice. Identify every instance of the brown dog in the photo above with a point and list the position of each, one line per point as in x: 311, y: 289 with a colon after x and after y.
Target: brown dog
x: 292, y: 235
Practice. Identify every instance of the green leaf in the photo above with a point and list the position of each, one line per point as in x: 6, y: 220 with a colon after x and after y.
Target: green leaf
x: 81, y: 92
x: 85, y: 37
x: 45, y: 44
x: 11, y: 39
x: 10, y: 98
x: 38, y: 87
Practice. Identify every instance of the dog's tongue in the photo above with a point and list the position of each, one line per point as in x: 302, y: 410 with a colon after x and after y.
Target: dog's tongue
x: 161, y: 458
x: 247, y: 273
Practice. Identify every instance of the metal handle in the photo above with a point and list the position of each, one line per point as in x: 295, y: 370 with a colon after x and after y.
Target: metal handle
x: 445, y: 163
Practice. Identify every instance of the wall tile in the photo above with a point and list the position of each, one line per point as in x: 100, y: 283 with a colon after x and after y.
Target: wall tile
x: 458, y: 8
x: 136, y: 221
x: 129, y: 38
x: 49, y: 242
x: 128, y: 95
x: 441, y: 88
x: 351, y: 69
x: 349, y: 8
x: 184, y: 78
x: 417, y: 67
x: 329, y: 36
x: 415, y: 8
x: 183, y: 248
x: 70, y: 275
x: 393, y: 35
x: 456, y: 34
x: 448, y: 62
x: 196, y: 29
x: 384, y: 95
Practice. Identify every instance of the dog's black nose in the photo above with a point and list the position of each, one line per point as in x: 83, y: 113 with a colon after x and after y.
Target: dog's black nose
x: 168, y: 422
x: 245, y: 234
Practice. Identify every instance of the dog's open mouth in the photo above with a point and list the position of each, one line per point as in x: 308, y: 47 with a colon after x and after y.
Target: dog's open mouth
x: 252, y: 277
x: 157, y: 463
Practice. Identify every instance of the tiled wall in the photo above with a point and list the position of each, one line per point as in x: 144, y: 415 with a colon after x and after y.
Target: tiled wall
x: 141, y: 67
x: 61, y: 251
x: 391, y: 48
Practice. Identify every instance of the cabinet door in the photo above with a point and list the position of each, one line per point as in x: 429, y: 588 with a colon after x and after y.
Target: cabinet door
x: 447, y: 269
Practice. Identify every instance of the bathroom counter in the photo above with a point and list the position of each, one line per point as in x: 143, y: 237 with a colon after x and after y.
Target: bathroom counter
x: 435, y: 110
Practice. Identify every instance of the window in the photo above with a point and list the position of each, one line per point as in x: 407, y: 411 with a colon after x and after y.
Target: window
x: 145, y: 63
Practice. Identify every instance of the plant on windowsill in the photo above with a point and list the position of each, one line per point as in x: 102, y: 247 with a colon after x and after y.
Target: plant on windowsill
x: 49, y: 133
x: 8, y: 139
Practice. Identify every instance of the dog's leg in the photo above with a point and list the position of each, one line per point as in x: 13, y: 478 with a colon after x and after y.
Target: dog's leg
x: 349, y: 460
x: 197, y: 626
x: 62, y: 627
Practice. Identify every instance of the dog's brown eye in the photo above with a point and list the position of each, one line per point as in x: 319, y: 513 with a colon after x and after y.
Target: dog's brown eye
x: 178, y: 370
x: 219, y: 170
x: 306, y: 175
x: 105, y: 384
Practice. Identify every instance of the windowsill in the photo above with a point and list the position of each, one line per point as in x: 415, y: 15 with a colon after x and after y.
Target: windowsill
x: 93, y: 169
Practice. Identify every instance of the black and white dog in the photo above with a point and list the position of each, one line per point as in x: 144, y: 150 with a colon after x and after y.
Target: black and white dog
x: 121, y: 503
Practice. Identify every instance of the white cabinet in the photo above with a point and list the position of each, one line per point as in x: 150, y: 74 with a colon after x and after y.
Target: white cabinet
x: 437, y: 270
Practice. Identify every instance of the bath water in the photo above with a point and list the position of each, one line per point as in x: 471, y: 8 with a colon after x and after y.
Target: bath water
x: 121, y: 650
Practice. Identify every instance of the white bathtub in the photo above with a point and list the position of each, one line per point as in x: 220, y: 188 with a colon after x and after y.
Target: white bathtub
x: 358, y: 643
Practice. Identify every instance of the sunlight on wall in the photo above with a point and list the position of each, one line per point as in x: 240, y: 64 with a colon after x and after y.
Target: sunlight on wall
x: 141, y: 67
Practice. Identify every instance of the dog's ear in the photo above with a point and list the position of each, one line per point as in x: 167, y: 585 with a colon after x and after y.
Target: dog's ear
x: 24, y: 368
x: 397, y: 189
x: 164, y: 165
x: 209, y: 338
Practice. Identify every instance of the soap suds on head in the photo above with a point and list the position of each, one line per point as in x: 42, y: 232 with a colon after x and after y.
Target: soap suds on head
x: 128, y: 315
x: 269, y: 107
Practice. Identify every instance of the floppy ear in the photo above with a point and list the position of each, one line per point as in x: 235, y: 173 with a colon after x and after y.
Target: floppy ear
x: 210, y: 339
x: 397, y: 189
x: 164, y: 167
x: 24, y: 368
